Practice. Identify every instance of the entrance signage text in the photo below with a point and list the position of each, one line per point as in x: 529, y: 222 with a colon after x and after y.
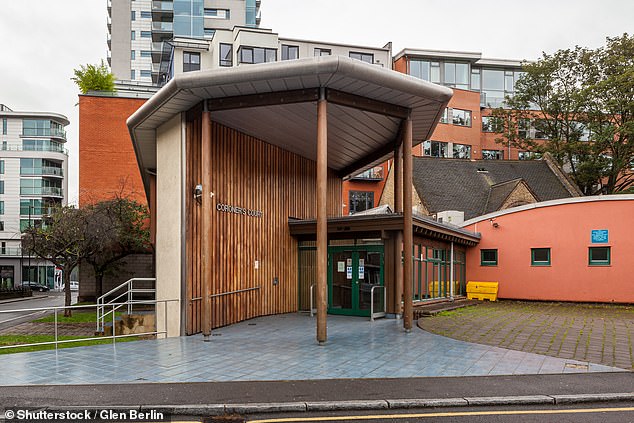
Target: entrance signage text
x: 227, y: 208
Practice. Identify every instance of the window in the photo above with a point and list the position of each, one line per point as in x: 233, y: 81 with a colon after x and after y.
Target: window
x: 290, y: 52
x: 461, y: 151
x: 419, y: 69
x: 132, y: 54
x: 456, y: 75
x: 435, y: 149
x: 42, y: 145
x: 257, y: 55
x: 488, y: 257
x: 226, y: 54
x: 146, y: 73
x: 1, y: 225
x: 132, y: 74
x: 42, y: 128
x: 209, y: 32
x: 146, y: 53
x: 540, y: 256
x: 33, y: 207
x: 191, y: 61
x: 445, y: 116
x: 218, y: 13
x: 133, y: 15
x: 322, y: 52
x: 540, y: 129
x: 2, y: 167
x: 475, y: 79
x: 146, y: 34
x: 523, y: 128
x: 528, y: 155
x: 132, y: 35
x: 493, y: 154
x: 1, y: 207
x: 461, y: 117
x: 434, y: 70
x: 599, y: 256
x: 1, y: 187
x: 492, y: 124
x: 360, y: 200
x: 146, y: 15
x: 364, y: 57
x: 4, y: 126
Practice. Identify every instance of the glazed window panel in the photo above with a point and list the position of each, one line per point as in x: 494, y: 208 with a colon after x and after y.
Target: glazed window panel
x: 540, y: 256
x: 360, y: 201
x: 489, y: 257
x: 461, y: 117
x: 226, y: 54
x: 461, y: 151
x: 599, y: 256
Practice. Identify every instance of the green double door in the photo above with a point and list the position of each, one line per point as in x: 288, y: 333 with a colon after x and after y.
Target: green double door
x: 352, y: 272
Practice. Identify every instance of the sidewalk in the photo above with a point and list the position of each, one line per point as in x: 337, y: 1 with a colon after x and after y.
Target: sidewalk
x: 281, y: 347
x: 598, y: 333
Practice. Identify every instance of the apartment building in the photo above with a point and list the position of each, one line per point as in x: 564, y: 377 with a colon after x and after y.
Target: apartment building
x: 139, y: 31
x: 33, y: 179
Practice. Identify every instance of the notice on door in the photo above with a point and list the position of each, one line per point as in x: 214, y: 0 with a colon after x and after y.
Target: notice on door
x: 341, y: 266
x: 361, y: 269
x: 349, y: 268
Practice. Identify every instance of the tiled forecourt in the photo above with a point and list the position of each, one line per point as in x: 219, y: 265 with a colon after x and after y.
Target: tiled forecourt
x: 281, y: 347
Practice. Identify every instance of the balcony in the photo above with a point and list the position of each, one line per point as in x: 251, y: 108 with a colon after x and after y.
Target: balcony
x: 44, y: 148
x: 162, y: 27
x: 42, y: 191
x: 162, y: 9
x: 44, y: 132
x: 371, y: 175
x: 43, y: 171
x: 33, y: 211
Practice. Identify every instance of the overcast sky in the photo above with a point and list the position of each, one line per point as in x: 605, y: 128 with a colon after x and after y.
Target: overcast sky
x: 42, y: 41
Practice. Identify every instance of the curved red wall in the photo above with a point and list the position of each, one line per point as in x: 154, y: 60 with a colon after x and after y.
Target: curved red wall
x: 566, y: 230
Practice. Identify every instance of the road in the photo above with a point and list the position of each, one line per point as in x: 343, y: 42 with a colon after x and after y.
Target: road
x: 593, y: 412
x: 9, y: 317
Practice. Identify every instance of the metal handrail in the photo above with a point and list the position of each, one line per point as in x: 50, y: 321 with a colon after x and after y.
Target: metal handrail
x: 114, y: 336
x: 374, y: 314
x: 313, y: 309
x: 130, y: 291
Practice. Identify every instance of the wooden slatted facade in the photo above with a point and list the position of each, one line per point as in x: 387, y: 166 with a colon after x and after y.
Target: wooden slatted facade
x: 251, y: 174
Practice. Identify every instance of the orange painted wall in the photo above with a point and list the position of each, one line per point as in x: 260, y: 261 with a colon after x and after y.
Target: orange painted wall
x: 566, y: 230
x: 106, y: 157
x: 375, y: 186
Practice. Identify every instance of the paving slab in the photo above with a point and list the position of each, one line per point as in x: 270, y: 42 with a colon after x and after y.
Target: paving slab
x: 281, y: 347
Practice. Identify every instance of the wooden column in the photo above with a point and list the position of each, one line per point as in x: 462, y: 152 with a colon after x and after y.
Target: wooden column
x: 322, y: 223
x: 206, y: 245
x: 398, y: 241
x: 408, y: 224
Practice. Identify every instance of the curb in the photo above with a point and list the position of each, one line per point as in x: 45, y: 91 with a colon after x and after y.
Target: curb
x: 393, y: 404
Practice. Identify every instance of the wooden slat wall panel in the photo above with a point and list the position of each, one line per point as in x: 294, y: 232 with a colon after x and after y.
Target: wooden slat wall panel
x: 251, y: 174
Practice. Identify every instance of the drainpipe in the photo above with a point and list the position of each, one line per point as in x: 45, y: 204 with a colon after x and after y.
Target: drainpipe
x: 451, y: 275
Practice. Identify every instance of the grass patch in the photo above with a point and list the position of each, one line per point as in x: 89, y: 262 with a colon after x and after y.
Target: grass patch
x: 6, y: 340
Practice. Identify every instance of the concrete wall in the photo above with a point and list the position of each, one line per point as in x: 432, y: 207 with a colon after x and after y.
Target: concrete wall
x: 565, y: 228
x: 168, y: 218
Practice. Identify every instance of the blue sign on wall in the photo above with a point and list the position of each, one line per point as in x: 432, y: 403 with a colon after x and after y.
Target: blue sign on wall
x: 599, y: 236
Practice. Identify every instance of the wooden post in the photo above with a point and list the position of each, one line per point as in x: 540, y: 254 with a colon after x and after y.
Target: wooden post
x: 206, y: 246
x: 408, y: 226
x: 398, y: 240
x: 322, y: 222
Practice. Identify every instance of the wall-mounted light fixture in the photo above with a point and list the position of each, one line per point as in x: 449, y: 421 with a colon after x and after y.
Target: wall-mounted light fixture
x: 198, y: 193
x: 494, y: 224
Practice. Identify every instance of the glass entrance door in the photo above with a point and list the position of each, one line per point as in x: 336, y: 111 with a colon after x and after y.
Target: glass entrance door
x: 352, y: 272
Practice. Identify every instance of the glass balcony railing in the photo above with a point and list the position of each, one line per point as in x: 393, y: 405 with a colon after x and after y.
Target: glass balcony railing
x: 35, y: 211
x: 43, y: 191
x: 45, y: 148
x: 374, y: 174
x: 44, y: 171
x: 12, y: 252
x: 163, y: 26
x: 44, y: 132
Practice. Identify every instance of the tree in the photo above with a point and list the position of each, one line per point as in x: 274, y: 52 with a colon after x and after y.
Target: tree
x: 119, y: 229
x: 94, y: 78
x: 581, y: 102
x: 62, y: 239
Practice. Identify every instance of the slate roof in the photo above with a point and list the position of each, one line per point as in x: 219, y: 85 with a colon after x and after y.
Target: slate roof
x: 498, y: 193
x: 454, y: 184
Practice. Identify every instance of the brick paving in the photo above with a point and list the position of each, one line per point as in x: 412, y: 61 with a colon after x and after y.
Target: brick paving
x: 601, y: 334
x: 45, y: 328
